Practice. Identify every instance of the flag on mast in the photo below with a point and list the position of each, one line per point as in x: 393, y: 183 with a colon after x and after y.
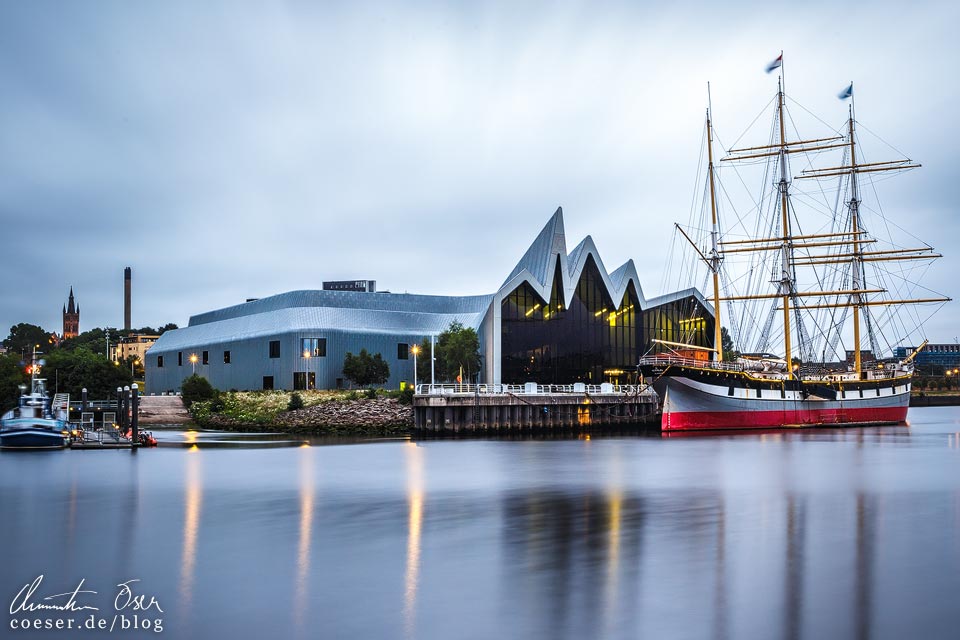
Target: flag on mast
x: 775, y: 64
x: 846, y: 93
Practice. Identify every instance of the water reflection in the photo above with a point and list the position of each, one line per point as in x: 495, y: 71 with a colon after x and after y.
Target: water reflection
x: 865, y: 551
x: 305, y: 540
x: 796, y: 528
x: 720, y: 624
x: 193, y: 498
x: 570, y: 560
x: 414, y: 464
x: 795, y: 535
x: 614, y: 498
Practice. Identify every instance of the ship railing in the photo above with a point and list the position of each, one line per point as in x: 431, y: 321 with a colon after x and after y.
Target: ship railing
x: 531, y: 388
x: 690, y: 362
x: 94, y: 404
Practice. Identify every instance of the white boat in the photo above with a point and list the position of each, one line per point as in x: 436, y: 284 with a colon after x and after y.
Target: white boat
x: 32, y: 424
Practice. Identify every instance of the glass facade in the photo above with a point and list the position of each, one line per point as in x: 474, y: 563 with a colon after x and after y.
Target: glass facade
x: 683, y: 321
x: 594, y: 340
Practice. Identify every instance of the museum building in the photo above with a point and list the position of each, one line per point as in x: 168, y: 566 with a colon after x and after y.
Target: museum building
x: 558, y: 318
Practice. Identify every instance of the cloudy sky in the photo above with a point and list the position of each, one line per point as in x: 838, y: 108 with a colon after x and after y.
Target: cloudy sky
x: 228, y: 150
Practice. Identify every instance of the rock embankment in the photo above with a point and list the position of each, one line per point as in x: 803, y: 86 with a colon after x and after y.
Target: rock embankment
x: 366, y: 416
x: 163, y: 410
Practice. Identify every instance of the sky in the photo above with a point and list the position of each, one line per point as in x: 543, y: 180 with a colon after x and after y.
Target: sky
x: 232, y: 150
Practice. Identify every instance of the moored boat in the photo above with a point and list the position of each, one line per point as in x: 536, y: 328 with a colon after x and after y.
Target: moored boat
x: 32, y: 424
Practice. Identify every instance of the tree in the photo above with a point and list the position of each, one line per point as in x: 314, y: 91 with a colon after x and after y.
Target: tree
x: 726, y: 345
x: 94, y: 340
x: 72, y: 371
x: 12, y: 375
x: 23, y: 337
x: 364, y: 370
x: 457, y: 346
x: 196, y: 388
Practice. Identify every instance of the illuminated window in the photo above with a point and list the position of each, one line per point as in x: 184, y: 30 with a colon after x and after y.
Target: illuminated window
x: 313, y: 347
x: 226, y: 357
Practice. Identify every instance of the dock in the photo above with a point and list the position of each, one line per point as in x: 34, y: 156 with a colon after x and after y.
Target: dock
x: 460, y: 408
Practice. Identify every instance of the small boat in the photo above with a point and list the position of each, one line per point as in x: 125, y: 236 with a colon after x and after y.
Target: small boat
x: 32, y: 424
x: 144, y: 438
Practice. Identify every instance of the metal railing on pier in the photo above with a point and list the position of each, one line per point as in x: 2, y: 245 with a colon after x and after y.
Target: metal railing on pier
x: 531, y: 388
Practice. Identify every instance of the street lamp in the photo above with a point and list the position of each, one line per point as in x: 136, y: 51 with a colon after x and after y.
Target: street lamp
x: 193, y: 361
x: 415, y: 349
x: 306, y: 369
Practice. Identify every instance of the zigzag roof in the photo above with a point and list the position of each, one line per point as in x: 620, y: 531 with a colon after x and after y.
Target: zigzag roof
x: 536, y: 268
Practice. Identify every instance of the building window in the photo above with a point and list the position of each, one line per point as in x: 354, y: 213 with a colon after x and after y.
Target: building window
x: 303, y: 380
x: 268, y: 383
x: 403, y: 351
x: 206, y: 357
x: 226, y: 357
x: 313, y: 347
x: 179, y: 358
x: 159, y: 362
x: 274, y: 351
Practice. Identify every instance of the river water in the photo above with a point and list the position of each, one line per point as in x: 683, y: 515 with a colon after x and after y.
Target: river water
x: 807, y: 534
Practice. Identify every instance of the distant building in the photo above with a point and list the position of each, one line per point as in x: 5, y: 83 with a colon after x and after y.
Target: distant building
x: 865, y: 356
x: 368, y: 286
x: 71, y: 318
x: 946, y: 355
x: 559, y: 317
x: 136, y: 344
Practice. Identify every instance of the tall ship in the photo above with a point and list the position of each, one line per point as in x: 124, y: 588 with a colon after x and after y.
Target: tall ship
x: 808, y: 286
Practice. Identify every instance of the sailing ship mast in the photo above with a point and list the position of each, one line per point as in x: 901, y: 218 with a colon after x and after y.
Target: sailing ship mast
x: 786, y: 256
x: 714, y: 262
x: 857, y: 258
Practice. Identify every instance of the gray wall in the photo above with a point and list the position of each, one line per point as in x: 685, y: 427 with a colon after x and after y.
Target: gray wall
x: 250, y: 361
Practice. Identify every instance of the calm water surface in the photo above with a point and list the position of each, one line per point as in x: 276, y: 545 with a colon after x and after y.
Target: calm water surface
x: 816, y: 534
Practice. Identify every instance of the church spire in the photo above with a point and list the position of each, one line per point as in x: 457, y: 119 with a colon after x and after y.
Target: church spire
x: 71, y: 317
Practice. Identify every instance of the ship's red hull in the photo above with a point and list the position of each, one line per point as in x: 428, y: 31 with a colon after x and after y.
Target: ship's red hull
x: 716, y: 420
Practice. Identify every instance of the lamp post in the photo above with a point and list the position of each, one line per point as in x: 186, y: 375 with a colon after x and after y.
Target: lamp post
x: 306, y: 370
x: 431, y: 364
x: 415, y: 349
x: 193, y: 361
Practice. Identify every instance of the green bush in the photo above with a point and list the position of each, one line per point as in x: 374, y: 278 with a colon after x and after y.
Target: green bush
x: 405, y: 396
x: 296, y: 402
x: 196, y: 388
x: 353, y: 395
x: 370, y: 394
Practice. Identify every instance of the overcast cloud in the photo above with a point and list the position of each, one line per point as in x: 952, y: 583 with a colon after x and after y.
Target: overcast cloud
x: 228, y: 150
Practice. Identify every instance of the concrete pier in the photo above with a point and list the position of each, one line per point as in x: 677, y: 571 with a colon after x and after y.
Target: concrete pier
x: 478, y: 408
